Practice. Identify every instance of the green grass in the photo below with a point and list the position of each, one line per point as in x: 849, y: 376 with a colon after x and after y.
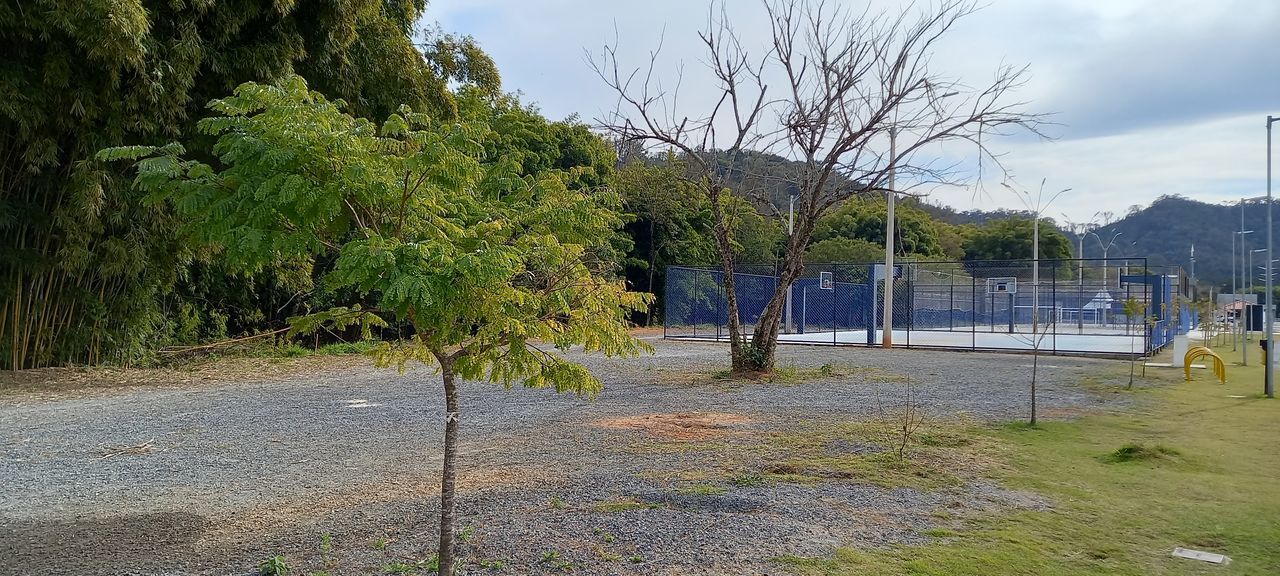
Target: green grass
x: 702, y: 490
x: 1186, y: 466
x: 942, y: 453
x: 623, y: 505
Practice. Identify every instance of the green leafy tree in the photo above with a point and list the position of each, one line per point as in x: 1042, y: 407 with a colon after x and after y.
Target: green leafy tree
x: 1011, y: 239
x: 865, y: 220
x: 87, y: 264
x: 485, y: 263
x: 670, y: 222
x: 755, y: 239
x: 843, y: 250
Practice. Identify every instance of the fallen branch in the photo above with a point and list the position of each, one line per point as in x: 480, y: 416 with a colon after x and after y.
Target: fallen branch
x: 135, y: 450
x: 230, y: 342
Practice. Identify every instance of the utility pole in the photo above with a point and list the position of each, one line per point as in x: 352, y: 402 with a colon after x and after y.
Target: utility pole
x: 1235, y: 295
x: 1270, y: 310
x: 887, y: 340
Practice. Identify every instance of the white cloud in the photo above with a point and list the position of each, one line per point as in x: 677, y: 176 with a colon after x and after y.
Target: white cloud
x: 1156, y: 96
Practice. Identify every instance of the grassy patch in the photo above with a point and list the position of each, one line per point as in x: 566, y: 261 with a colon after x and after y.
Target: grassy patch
x: 702, y: 490
x: 941, y: 454
x: 1135, y: 452
x: 1119, y: 511
x: 623, y: 505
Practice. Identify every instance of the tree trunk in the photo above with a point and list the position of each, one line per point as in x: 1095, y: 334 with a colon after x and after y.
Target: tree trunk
x: 653, y: 260
x: 724, y: 245
x: 447, y: 474
x: 764, y: 340
x: 1035, y: 368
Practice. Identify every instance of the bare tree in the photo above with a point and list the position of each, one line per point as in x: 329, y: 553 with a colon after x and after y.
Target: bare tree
x: 844, y: 81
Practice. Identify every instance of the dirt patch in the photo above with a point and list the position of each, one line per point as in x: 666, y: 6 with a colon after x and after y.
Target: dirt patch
x: 681, y: 426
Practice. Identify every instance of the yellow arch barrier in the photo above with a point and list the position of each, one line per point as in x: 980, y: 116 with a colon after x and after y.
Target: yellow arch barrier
x: 1219, y: 369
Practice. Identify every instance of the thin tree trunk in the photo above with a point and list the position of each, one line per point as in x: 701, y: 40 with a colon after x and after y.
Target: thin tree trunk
x: 764, y: 340
x: 724, y: 244
x: 1035, y: 368
x: 653, y: 260
x: 448, y: 471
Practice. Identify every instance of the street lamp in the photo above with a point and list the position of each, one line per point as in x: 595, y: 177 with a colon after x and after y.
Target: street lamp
x: 1036, y: 205
x: 1081, y: 229
x: 887, y: 339
x: 1270, y: 310
x: 1105, y: 250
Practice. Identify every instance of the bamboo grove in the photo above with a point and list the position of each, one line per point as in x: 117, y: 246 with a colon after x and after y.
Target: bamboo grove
x: 90, y: 273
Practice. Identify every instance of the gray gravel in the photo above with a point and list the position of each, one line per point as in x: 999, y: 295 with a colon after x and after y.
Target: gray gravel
x: 244, y: 470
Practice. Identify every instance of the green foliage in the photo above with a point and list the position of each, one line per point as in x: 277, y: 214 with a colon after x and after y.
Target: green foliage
x: 1011, y: 239
x: 756, y: 239
x: 482, y: 260
x: 89, y: 266
x: 274, y: 566
x: 844, y: 250
x: 865, y: 220
x: 1134, y: 451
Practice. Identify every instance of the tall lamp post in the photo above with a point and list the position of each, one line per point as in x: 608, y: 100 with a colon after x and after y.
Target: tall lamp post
x: 1106, y: 248
x: 889, y: 233
x: 890, y: 194
x: 1081, y: 229
x: 1270, y: 310
x: 1036, y: 205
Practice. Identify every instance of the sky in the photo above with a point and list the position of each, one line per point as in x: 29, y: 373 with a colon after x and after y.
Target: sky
x: 1148, y: 97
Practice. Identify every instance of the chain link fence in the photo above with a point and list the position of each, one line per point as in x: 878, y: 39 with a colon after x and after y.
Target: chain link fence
x: 1111, y: 307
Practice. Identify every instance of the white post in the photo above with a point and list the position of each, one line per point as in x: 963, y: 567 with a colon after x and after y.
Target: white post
x: 1035, y: 277
x: 887, y: 340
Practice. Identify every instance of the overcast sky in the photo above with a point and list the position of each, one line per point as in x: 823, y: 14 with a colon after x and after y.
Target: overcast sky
x: 1152, y: 96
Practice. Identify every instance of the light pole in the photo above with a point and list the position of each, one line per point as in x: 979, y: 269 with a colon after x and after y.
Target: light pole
x: 889, y: 233
x: 887, y: 340
x: 1234, y: 295
x: 1081, y: 229
x: 1036, y: 205
x: 1106, y: 289
x: 1270, y: 309
x: 1105, y: 249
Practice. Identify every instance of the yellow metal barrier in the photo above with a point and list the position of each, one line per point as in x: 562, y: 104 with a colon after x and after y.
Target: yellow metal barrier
x: 1196, y: 352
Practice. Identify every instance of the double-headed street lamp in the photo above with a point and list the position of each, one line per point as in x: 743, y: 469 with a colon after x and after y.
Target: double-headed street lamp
x: 1081, y: 229
x: 1105, y: 249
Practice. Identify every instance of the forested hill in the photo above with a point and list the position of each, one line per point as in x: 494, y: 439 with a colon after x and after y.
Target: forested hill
x: 1162, y: 232
x: 1165, y: 231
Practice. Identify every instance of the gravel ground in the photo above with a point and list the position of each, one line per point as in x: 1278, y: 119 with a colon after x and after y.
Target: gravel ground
x: 235, y: 472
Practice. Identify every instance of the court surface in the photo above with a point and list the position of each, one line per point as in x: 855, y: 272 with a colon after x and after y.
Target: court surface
x: 984, y: 339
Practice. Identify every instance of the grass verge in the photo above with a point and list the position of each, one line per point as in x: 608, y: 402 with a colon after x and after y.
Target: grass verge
x: 1192, y: 464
